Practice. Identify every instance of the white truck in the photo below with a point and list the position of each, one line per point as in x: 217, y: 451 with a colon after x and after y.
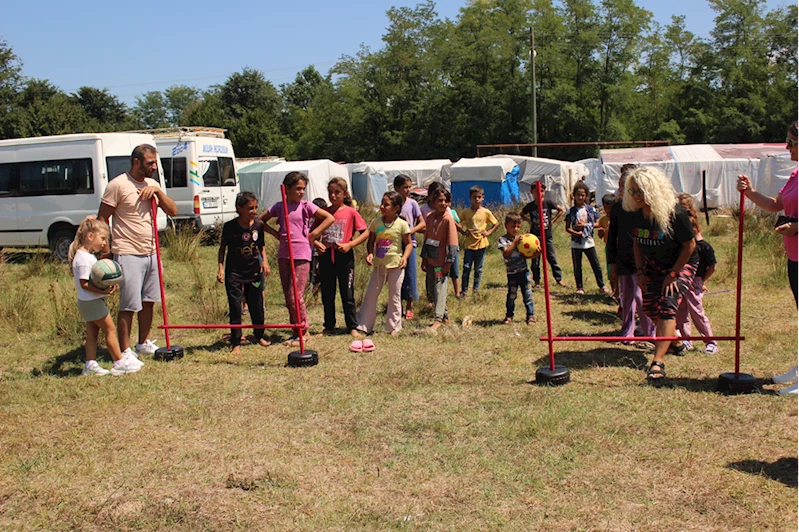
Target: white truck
x: 200, y: 174
x: 48, y: 185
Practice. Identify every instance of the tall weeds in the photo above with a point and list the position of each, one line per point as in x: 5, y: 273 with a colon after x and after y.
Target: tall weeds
x: 183, y: 244
x: 17, y: 307
x: 67, y: 322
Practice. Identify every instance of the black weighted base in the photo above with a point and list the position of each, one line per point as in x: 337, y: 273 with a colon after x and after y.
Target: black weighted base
x: 730, y: 384
x: 298, y: 359
x: 557, y: 377
x: 166, y: 354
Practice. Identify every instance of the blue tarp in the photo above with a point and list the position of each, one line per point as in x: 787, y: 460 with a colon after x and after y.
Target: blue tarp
x: 504, y: 193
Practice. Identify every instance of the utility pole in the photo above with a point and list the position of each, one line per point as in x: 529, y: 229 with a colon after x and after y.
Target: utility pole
x: 532, y: 92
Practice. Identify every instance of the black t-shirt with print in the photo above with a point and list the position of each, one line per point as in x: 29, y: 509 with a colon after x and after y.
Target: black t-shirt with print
x: 243, y: 249
x: 659, y: 247
x: 707, y: 257
x: 620, y: 240
x: 531, y: 210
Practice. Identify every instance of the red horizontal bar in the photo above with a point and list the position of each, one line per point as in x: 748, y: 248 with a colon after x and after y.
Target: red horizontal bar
x: 237, y: 326
x: 635, y: 338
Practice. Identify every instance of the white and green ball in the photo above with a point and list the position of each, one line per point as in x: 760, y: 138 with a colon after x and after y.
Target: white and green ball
x: 105, y: 273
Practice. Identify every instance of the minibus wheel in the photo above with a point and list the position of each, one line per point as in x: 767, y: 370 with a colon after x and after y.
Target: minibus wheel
x: 59, y: 243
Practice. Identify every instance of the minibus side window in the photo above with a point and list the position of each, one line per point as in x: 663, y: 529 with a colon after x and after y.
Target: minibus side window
x: 174, y: 171
x: 117, y: 165
x: 228, y: 171
x: 56, y: 177
x: 210, y: 171
x: 5, y: 179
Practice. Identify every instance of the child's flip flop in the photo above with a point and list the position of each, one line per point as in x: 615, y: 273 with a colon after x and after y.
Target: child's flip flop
x: 357, y: 346
x: 368, y: 345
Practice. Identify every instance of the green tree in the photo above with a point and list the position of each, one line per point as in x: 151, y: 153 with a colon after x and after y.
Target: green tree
x: 42, y: 109
x: 249, y: 107
x: 103, y: 110
x: 151, y: 110
x: 177, y: 99
x: 11, y: 80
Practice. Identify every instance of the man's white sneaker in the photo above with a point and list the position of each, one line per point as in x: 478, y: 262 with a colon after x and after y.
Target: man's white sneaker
x: 711, y: 349
x: 123, y: 366
x: 793, y: 390
x: 147, y: 348
x: 93, y: 368
x: 786, y: 378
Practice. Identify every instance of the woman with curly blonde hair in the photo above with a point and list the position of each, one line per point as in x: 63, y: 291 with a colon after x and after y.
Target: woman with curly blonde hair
x: 665, y: 255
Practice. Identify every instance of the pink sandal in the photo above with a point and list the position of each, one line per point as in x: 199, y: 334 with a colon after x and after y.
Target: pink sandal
x: 368, y: 345
x: 357, y: 346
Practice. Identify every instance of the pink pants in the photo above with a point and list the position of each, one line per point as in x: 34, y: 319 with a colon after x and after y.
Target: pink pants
x: 368, y: 313
x: 692, y: 305
x: 632, y: 302
x: 301, y: 269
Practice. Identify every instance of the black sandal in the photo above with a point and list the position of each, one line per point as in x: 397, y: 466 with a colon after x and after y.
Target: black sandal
x: 657, y: 371
x: 676, y: 349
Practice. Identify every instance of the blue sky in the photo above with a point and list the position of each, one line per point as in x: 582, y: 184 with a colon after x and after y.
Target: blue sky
x: 132, y: 48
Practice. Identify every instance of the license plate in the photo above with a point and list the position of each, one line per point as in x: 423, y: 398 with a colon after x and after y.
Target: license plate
x: 210, y: 204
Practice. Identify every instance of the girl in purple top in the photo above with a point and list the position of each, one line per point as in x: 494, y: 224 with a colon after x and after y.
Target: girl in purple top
x: 787, y: 226
x: 412, y: 214
x: 300, y: 214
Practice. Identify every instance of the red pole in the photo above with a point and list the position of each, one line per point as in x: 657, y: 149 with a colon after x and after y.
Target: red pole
x: 229, y: 326
x: 545, y: 273
x: 738, y: 289
x: 300, y: 323
x: 636, y: 338
x: 154, y: 211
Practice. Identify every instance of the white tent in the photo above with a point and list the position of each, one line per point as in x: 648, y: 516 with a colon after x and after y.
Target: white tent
x: 250, y: 175
x: 685, y: 165
x: 773, y: 172
x: 371, y: 179
x: 559, y: 177
x: 319, y: 173
x: 497, y: 175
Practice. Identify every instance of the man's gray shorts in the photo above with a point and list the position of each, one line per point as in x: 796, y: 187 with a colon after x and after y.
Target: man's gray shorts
x: 139, y: 281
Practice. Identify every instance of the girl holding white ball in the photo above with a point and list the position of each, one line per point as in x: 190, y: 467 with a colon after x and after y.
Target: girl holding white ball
x: 90, y: 239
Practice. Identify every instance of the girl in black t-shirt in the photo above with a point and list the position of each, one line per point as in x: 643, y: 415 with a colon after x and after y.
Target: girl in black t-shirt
x: 665, y: 255
x: 246, y: 267
x: 692, y: 309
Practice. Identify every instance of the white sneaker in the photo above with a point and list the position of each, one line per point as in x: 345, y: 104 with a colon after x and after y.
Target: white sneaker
x: 711, y: 349
x: 125, y: 365
x: 129, y: 353
x: 786, y: 378
x: 793, y: 390
x: 131, y: 358
x: 689, y: 346
x: 147, y: 348
x: 94, y: 369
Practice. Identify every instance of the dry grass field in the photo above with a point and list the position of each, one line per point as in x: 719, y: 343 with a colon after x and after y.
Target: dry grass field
x: 428, y: 432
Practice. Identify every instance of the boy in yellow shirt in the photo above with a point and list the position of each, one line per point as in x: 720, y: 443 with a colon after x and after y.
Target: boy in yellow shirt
x: 474, y: 224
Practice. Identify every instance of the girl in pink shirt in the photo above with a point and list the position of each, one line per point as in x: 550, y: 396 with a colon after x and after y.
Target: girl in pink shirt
x: 300, y: 213
x: 336, y: 256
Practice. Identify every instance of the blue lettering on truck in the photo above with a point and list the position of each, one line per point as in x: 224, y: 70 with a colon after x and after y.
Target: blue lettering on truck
x: 213, y: 148
x: 180, y: 148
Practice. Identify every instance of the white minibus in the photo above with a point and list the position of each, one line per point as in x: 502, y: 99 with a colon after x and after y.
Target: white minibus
x: 200, y: 174
x: 48, y: 185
